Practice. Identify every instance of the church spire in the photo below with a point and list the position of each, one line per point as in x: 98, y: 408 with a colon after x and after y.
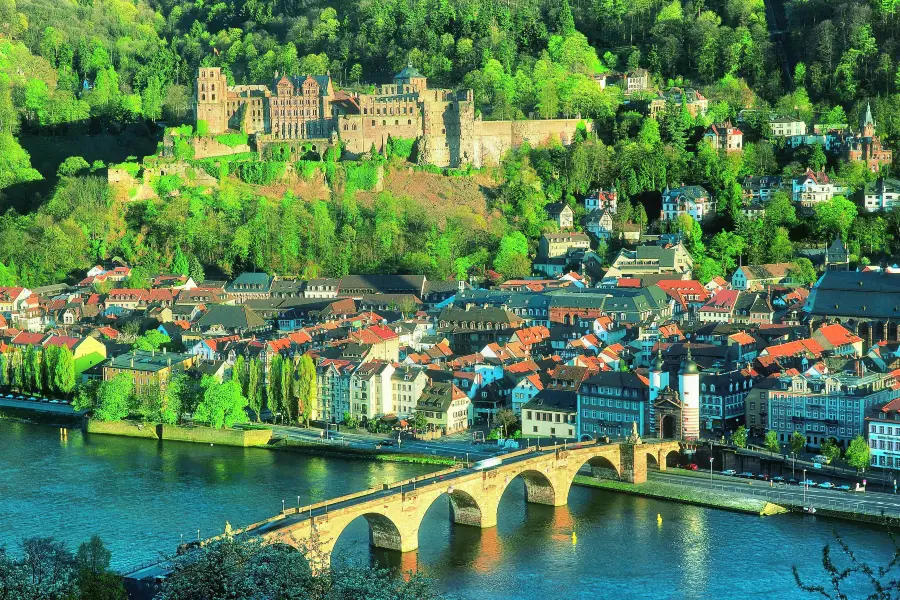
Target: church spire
x: 868, y: 120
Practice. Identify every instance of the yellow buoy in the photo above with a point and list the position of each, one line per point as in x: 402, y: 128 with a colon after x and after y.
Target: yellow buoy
x: 659, y: 518
x: 574, y: 538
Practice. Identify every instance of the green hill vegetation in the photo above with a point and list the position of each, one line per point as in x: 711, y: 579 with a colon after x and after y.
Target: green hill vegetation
x: 89, y: 69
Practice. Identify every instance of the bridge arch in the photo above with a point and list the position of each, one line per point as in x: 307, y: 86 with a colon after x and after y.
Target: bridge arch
x: 673, y: 458
x: 465, y: 509
x: 539, y: 489
x: 384, y: 532
x: 601, y: 466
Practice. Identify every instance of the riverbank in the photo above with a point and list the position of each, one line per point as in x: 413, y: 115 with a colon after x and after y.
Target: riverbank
x: 249, y: 437
x: 337, y: 451
x: 685, y: 495
x: 27, y: 415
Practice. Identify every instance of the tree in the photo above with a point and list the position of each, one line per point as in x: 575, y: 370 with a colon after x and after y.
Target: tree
x: 419, y: 421
x: 239, y: 372
x: 798, y: 442
x: 350, y: 420
x: 180, y: 265
x: 506, y: 419
x: 93, y: 578
x: 803, y: 272
x: 112, y: 398
x: 307, y: 387
x: 248, y: 567
x: 859, y: 575
x: 771, y: 441
x: 780, y: 210
x: 739, y: 437
x: 857, y: 454
x: 512, y: 257
x: 152, y: 340
x: 834, y: 217
x: 223, y: 404
x: 255, y: 379
x: 830, y: 450
x: 64, y: 371
x: 273, y: 386
x: 73, y: 165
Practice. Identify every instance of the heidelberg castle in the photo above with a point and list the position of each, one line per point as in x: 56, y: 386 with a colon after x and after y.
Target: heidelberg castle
x: 308, y: 109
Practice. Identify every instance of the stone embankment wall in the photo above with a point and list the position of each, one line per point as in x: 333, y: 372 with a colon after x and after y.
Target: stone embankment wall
x: 198, y: 434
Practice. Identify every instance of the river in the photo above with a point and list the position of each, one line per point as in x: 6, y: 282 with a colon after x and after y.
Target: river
x: 141, y: 497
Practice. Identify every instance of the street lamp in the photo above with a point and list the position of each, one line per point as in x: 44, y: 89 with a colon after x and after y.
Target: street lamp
x: 282, y: 506
x: 805, y: 485
x: 710, y: 468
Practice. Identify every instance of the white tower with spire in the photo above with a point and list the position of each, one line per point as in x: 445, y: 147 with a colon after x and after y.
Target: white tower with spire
x: 689, y: 389
x: 659, y: 380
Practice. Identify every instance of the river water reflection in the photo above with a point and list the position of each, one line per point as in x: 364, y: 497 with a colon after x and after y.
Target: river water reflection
x: 141, y: 497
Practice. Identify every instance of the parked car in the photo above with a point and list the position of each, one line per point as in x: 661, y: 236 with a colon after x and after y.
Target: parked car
x: 777, y: 479
x: 826, y: 485
x: 691, y: 467
x: 387, y: 443
x: 763, y: 476
x: 793, y: 481
x: 843, y: 488
x: 746, y: 475
x: 54, y: 401
x: 729, y: 472
x: 808, y: 482
x: 821, y: 459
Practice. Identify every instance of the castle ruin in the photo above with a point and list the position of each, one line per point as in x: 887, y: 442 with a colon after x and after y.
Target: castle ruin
x: 308, y: 110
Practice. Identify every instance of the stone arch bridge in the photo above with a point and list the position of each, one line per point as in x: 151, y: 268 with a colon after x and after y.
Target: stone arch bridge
x: 395, y: 511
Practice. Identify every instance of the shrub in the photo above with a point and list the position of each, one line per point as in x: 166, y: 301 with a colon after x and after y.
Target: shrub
x: 72, y: 166
x: 307, y: 168
x: 232, y: 140
x: 202, y: 128
x: 362, y: 175
x: 280, y: 152
x: 261, y: 172
x: 183, y: 149
x: 167, y: 183
x: 401, y: 147
x: 181, y: 130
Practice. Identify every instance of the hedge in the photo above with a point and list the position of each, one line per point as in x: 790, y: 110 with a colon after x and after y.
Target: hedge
x: 401, y: 147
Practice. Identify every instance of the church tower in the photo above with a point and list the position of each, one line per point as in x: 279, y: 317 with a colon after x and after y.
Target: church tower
x: 868, y: 124
x: 689, y: 389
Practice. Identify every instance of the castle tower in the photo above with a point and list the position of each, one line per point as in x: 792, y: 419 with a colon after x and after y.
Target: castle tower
x: 659, y: 380
x: 689, y: 389
x: 410, y: 76
x: 211, y: 94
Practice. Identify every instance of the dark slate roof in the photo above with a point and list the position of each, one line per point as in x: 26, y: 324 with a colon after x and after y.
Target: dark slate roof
x: 408, y: 71
x: 250, y: 282
x: 554, y: 400
x: 237, y: 317
x: 869, y: 295
x: 383, y: 284
x: 613, y: 379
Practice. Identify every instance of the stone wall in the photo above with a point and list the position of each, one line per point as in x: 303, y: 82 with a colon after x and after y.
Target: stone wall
x: 203, y: 435
x: 225, y: 437
x: 123, y: 428
x: 493, y: 138
x: 206, y: 147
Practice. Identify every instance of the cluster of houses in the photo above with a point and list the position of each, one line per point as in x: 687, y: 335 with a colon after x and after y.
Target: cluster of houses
x: 575, y: 356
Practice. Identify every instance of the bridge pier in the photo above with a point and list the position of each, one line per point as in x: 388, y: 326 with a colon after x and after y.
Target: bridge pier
x: 634, y: 463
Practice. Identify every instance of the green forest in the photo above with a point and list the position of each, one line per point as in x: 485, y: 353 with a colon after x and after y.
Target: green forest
x: 83, y: 67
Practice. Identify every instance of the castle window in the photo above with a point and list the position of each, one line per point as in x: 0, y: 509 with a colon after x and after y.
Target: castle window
x: 213, y: 87
x: 203, y: 97
x: 365, y: 111
x: 409, y: 121
x: 383, y: 122
x: 203, y: 87
x: 214, y: 97
x: 396, y: 121
x: 202, y: 73
x: 373, y: 122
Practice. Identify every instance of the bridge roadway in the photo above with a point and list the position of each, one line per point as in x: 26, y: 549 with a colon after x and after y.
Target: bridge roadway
x: 395, y: 511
